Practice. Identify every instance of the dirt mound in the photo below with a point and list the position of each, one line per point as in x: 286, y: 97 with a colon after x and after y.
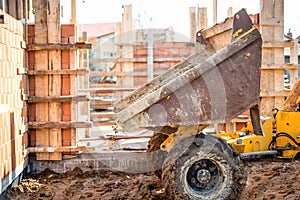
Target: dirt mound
x: 272, y: 180
x: 266, y: 180
x: 76, y: 184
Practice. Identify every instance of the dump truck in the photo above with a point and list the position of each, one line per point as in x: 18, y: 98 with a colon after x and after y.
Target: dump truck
x: 213, y: 85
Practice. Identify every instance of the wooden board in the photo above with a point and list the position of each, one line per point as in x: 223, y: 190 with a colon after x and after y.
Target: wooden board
x: 290, y: 104
x: 272, y: 79
x: 193, y: 25
x: 54, y: 63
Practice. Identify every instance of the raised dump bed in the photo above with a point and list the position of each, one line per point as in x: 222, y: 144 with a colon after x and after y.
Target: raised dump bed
x: 207, y: 87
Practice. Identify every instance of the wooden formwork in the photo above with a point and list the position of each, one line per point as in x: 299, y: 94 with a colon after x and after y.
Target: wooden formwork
x: 52, y: 73
x: 273, y: 67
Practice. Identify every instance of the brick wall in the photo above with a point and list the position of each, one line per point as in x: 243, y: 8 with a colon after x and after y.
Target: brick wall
x: 13, y: 111
x: 165, y: 54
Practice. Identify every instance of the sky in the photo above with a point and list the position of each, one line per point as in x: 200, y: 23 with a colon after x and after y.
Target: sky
x: 171, y: 13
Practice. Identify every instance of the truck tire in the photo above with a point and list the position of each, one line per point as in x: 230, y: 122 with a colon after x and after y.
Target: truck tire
x: 156, y: 156
x: 203, y: 167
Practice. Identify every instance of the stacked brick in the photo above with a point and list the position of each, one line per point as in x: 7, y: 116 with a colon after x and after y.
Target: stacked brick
x: 13, y: 112
x: 165, y: 55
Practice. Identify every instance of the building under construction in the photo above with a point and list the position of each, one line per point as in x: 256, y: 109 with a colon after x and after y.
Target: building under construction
x: 55, y: 114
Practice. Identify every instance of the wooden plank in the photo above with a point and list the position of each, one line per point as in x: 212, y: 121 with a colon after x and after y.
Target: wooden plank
x: 58, y: 46
x: 277, y: 44
x: 280, y: 66
x: 215, y: 11
x: 294, y: 62
x: 110, y: 90
x: 41, y: 28
x: 108, y: 114
x: 41, y: 81
x: 290, y: 104
x: 274, y: 94
x: 229, y: 12
x: 63, y: 125
x: 108, y: 94
x: 58, y: 149
x: 218, y: 29
x: 272, y: 79
x: 73, y: 90
x: 103, y: 85
x: 70, y: 98
x: 193, y: 24
x: 220, y: 34
x: 100, y: 102
x: 104, y: 123
x: 126, y: 51
x: 54, y: 63
x: 202, y: 18
x: 73, y: 12
x: 279, y: 52
x: 121, y: 74
x: 58, y: 71
x: 137, y: 59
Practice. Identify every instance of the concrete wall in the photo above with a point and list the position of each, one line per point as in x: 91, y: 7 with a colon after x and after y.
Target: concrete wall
x: 132, y: 162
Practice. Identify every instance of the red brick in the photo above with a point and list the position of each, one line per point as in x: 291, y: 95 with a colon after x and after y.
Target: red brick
x: 32, y: 141
x: 66, y: 137
x: 32, y: 112
x: 66, y: 111
x: 31, y: 60
x: 30, y: 34
x: 31, y: 81
x: 65, y: 84
x: 65, y: 59
x: 67, y: 30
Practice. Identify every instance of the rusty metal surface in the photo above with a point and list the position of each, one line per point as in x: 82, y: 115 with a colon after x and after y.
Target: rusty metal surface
x: 242, y: 24
x: 203, y: 52
x: 211, y: 90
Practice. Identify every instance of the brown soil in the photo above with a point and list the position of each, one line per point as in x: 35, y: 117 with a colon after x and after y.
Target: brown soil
x: 266, y: 180
x: 272, y: 180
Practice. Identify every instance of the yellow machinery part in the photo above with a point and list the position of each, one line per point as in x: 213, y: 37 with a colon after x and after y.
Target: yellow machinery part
x: 181, y: 133
x: 252, y: 142
x: 249, y: 143
x: 289, y: 153
x: 288, y: 122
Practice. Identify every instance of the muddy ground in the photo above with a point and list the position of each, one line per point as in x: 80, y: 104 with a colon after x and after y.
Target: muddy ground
x: 266, y: 180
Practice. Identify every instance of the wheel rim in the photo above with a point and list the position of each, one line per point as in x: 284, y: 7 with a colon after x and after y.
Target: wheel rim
x: 204, y: 176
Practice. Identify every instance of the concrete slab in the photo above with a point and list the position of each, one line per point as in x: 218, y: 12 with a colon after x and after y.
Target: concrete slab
x: 130, y: 162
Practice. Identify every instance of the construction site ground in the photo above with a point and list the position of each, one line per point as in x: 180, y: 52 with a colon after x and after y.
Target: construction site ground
x: 267, y: 179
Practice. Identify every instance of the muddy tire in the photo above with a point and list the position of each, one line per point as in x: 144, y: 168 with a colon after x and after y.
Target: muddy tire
x: 156, y: 156
x: 203, y: 167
